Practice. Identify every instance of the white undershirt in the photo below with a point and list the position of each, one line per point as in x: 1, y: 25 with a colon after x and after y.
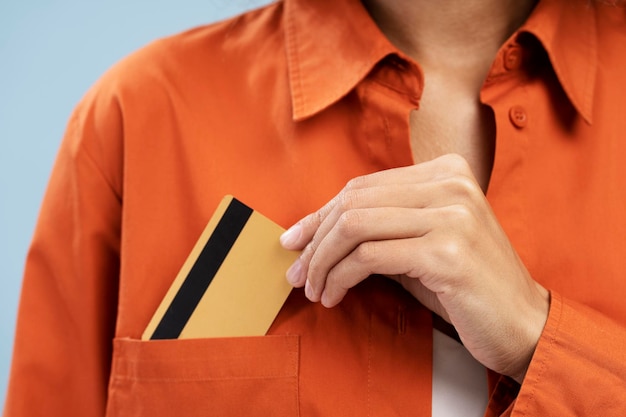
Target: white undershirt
x: 459, y: 381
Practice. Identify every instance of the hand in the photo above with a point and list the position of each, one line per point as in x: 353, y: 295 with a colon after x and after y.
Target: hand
x: 429, y: 227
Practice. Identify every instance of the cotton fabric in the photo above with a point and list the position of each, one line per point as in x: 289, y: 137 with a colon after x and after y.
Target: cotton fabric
x: 281, y: 107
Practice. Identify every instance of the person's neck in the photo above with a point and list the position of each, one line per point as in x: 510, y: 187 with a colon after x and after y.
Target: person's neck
x: 449, y: 33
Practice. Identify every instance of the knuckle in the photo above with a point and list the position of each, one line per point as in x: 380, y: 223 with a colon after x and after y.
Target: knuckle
x: 309, y: 250
x: 463, y: 186
x: 312, y: 221
x: 349, y: 224
x: 456, y: 163
x: 463, y: 219
x: 465, y: 183
x: 365, y: 253
x: 349, y: 200
x: 461, y: 214
x: 320, y: 215
x: 315, y: 269
x: 355, y: 183
x: 450, y: 250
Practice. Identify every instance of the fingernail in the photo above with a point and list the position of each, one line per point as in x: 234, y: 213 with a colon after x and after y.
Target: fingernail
x: 291, y: 236
x: 308, y: 291
x: 324, y: 299
x: 293, y: 273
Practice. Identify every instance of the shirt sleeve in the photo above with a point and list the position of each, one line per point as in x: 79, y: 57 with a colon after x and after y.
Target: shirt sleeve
x: 66, y: 317
x: 578, y: 369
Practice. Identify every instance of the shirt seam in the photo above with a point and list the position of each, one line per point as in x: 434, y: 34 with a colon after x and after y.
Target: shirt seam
x: 81, y: 149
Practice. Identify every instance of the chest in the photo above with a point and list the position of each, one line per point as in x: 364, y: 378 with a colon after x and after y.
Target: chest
x: 452, y: 120
x: 553, y: 181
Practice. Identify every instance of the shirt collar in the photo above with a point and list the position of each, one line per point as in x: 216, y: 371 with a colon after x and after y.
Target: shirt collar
x: 567, y: 31
x: 333, y: 45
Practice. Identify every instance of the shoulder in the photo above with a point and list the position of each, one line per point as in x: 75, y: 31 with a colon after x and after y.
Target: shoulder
x: 213, y: 43
x: 204, y: 53
x: 176, y: 78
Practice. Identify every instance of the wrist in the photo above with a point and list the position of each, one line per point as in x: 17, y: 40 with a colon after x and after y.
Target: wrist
x: 534, y: 323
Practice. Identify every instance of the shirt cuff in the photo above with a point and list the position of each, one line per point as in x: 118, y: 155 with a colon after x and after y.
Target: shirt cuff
x: 578, y: 367
x: 507, y: 390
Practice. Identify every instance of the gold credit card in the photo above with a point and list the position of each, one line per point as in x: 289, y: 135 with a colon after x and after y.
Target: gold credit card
x: 232, y: 283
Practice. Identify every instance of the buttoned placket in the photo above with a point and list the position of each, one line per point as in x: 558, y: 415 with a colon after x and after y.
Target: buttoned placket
x: 387, y: 96
x: 506, y: 93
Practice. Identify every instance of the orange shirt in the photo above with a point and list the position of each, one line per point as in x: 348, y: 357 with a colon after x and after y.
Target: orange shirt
x: 280, y: 107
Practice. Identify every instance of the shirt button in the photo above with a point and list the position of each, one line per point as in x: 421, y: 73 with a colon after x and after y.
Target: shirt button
x: 513, y: 58
x: 518, y: 116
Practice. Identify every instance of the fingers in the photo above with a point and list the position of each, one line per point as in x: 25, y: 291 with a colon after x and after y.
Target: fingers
x: 427, y: 245
x: 374, y: 189
x: 352, y: 231
x: 392, y: 205
x: 400, y: 258
x: 364, y: 261
x: 357, y: 215
x: 430, y: 228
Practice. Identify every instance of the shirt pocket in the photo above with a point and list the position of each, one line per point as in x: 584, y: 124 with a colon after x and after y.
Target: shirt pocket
x: 238, y: 376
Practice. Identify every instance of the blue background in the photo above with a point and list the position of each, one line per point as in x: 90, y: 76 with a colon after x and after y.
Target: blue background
x: 51, y: 51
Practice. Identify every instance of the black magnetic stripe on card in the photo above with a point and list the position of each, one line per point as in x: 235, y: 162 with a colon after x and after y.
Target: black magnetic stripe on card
x: 204, y: 269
